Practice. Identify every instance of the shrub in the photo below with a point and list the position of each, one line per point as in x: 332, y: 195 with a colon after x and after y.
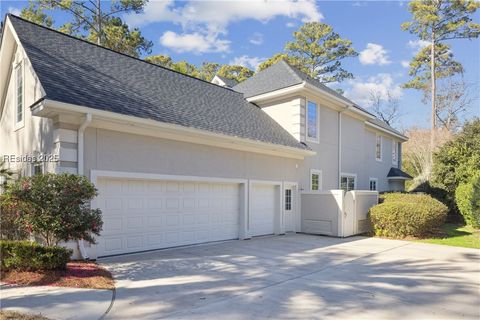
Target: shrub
x: 401, y: 215
x: 10, y: 226
x: 467, y: 197
x: 31, y: 256
x: 55, y: 207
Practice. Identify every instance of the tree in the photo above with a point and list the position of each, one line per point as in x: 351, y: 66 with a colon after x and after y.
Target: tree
x: 458, y: 159
x: 453, y: 99
x: 90, y: 20
x: 186, y: 68
x: 317, y: 50
x: 416, y: 152
x: 275, y: 59
x: 437, y: 21
x: 385, y: 108
x: 55, y: 207
x: 208, y: 70
x: 234, y: 72
x: 161, y: 60
x: 420, y: 67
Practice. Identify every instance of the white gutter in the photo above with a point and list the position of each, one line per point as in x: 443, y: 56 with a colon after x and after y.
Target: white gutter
x: 80, y: 171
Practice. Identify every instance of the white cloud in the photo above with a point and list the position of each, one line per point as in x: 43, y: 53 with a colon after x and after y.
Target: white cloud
x: 210, y: 19
x: 290, y: 24
x: 405, y: 63
x: 193, y: 42
x: 256, y: 38
x: 14, y: 11
x: 246, y: 61
x: 374, y: 54
x: 418, y: 45
x: 381, y: 84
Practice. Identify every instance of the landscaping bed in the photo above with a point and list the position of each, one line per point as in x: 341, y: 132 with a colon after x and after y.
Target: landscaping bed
x: 76, y: 275
x: 13, y: 315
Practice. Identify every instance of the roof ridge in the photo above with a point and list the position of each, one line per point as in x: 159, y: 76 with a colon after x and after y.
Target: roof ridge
x: 120, y: 53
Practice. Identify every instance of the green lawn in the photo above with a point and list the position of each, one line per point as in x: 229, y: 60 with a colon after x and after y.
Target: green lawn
x: 457, y: 236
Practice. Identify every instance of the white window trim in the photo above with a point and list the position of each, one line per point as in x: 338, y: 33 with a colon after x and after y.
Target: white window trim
x: 320, y: 179
x: 349, y: 175
x: 20, y: 124
x: 376, y: 183
x: 395, y: 147
x: 317, y: 138
x: 381, y: 147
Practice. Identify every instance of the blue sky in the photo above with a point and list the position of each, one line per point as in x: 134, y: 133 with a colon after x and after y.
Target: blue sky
x: 246, y: 32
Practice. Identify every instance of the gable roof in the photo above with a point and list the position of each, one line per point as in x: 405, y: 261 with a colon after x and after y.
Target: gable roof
x: 229, y: 82
x: 81, y: 73
x: 282, y: 75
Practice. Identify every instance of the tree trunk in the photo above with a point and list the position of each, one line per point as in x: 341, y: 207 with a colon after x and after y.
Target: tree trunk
x: 99, y: 22
x: 433, y: 111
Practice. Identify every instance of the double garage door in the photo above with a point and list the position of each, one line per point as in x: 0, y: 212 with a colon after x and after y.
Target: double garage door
x: 143, y: 215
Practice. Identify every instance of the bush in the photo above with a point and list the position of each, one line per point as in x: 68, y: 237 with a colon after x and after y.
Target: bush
x: 10, y: 226
x: 401, y: 215
x: 31, y: 256
x: 55, y: 207
x: 467, y: 197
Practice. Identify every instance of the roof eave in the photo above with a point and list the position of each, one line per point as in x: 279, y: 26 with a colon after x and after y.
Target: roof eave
x: 377, y: 127
x: 120, y: 122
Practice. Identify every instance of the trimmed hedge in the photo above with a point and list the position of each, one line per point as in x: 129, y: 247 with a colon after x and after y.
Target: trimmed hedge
x: 467, y: 197
x: 401, y: 215
x: 31, y: 256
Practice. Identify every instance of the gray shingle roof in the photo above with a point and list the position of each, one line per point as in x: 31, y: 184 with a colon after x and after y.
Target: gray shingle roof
x: 81, y: 73
x: 398, y: 173
x: 229, y: 82
x: 282, y: 75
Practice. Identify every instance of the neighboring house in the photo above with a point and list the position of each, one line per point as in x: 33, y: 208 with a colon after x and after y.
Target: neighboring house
x: 178, y: 160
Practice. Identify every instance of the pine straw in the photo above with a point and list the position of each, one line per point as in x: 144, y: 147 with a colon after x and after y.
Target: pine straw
x: 77, y: 275
x: 13, y: 315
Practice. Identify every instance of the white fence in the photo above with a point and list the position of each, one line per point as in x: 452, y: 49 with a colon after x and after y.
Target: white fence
x: 337, y: 213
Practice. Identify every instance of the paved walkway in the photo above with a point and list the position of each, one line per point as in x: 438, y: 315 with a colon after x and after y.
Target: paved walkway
x: 56, y: 302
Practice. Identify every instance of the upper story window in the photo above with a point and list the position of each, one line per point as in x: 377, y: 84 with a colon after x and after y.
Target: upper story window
x: 373, y: 184
x: 394, y: 153
x: 378, y: 148
x: 19, y: 107
x: 312, y: 121
x: 348, y: 182
x: 315, y: 180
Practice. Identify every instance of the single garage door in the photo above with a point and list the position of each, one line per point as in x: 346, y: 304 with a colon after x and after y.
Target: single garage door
x: 262, y: 209
x: 142, y: 215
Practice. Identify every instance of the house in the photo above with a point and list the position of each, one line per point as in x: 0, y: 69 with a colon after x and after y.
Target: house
x: 178, y: 160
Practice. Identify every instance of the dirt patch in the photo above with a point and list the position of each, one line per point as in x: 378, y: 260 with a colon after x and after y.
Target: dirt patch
x: 13, y: 315
x: 77, y: 275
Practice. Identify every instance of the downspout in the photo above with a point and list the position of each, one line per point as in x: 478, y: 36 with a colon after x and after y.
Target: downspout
x: 342, y: 233
x: 80, y: 152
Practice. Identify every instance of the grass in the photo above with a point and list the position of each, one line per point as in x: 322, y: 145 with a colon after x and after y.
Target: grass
x: 13, y: 315
x: 455, y: 235
x: 77, y: 275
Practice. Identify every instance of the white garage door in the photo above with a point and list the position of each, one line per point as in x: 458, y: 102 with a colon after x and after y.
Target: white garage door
x: 143, y: 215
x: 262, y: 210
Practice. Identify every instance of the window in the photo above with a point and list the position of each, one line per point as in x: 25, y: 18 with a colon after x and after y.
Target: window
x: 373, y: 184
x: 37, y: 168
x: 378, y: 148
x: 347, y: 182
x: 394, y: 153
x: 312, y: 121
x: 315, y: 180
x: 18, y: 94
x: 288, y: 199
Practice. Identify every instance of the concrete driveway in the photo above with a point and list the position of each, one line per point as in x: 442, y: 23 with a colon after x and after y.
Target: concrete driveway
x: 299, y: 277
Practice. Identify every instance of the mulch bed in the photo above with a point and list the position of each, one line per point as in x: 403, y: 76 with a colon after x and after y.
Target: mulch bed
x: 77, y: 275
x: 13, y: 315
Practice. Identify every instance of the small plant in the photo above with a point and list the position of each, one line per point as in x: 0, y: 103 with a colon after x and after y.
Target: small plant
x: 55, y: 207
x: 401, y: 215
x: 31, y: 256
x: 467, y: 197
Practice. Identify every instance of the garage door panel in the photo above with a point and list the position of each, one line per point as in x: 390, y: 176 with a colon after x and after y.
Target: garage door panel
x: 263, y: 209
x: 142, y: 215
